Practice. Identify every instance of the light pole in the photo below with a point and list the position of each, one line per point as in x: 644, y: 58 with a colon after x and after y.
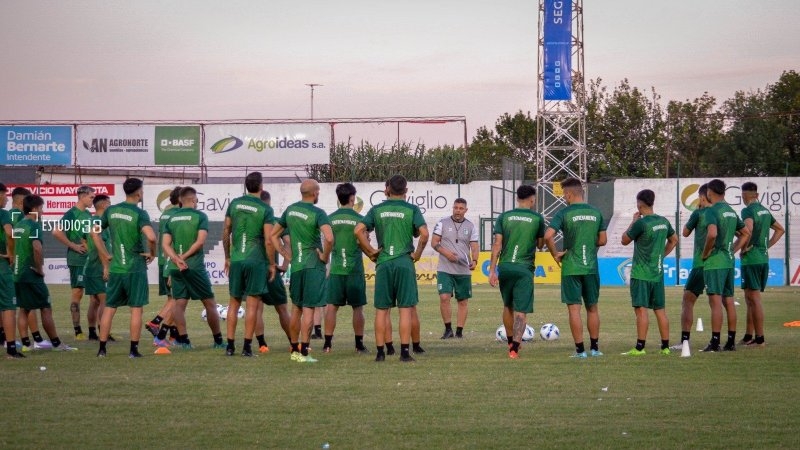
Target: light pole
x: 312, y: 86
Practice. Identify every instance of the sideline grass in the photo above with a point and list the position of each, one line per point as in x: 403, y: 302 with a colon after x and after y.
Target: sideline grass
x: 461, y: 393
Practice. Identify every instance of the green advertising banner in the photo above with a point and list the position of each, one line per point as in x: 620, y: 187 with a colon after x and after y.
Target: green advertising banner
x: 177, y: 145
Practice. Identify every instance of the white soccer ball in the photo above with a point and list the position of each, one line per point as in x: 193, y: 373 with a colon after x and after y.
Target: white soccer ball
x: 500, y: 334
x: 529, y: 334
x: 223, y: 312
x: 204, y: 313
x: 549, y: 332
x: 240, y: 313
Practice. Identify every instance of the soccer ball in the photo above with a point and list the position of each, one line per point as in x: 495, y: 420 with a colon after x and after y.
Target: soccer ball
x: 527, y: 336
x: 223, y: 312
x: 549, y: 332
x: 204, y: 314
x: 500, y: 334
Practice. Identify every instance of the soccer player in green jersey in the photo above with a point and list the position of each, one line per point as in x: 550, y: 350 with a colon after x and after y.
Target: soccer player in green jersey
x: 346, y: 283
x: 396, y: 222
x: 183, y: 240
x: 755, y: 261
x: 518, y: 233
x: 306, y: 224
x: 584, y: 232
x: 94, y: 281
x: 654, y: 239
x: 29, y: 287
x: 18, y: 195
x: 71, y: 231
x: 249, y: 259
x: 127, y: 266
x: 8, y: 302
x: 718, y: 263
x: 695, y: 284
x: 163, y: 318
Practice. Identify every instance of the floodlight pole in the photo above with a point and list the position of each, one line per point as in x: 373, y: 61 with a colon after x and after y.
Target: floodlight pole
x: 312, y: 86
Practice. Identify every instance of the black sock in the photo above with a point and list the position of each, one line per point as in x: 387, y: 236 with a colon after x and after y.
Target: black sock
x: 261, y: 341
x: 359, y: 342
x: 459, y: 331
x: 26, y: 341
x: 390, y: 348
x: 218, y: 338
x: 380, y: 349
x: 92, y: 332
x: 759, y: 339
x: 3, y: 334
x: 514, y: 346
x: 593, y: 344
x: 664, y: 344
x: 157, y: 320
x: 448, y: 326
x: 731, y: 337
x: 640, y: 344
x: 510, y: 339
x: 173, y: 332
x: 318, y: 330
x: 102, y: 346
x: 715, y: 339
x: 162, y: 333
x: 231, y: 344
x: 184, y: 339
x: 304, y: 348
x: 747, y: 337
x: 11, y: 348
x: 295, y: 346
x: 417, y: 348
x: 404, y: 352
x: 579, y: 348
x: 37, y: 337
x: 685, y: 335
x: 134, y: 346
x: 248, y: 345
x: 56, y: 342
x: 328, y: 340
x: 78, y: 330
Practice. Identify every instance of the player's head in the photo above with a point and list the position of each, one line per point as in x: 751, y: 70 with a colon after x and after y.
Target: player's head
x: 253, y: 182
x: 459, y: 209
x: 397, y: 185
x: 646, y: 197
x: 188, y: 197
x: 32, y: 203
x: 716, y: 187
x: 309, y: 190
x: 346, y: 194
x: 175, y: 195
x: 265, y: 197
x: 133, y: 187
x: 101, y: 202
x: 749, y: 192
x: 18, y: 194
x: 702, y: 195
x: 3, y: 196
x: 526, y: 192
x: 85, y: 195
x: 573, y: 189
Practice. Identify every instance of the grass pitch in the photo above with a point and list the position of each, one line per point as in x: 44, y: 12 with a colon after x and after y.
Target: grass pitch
x: 461, y: 393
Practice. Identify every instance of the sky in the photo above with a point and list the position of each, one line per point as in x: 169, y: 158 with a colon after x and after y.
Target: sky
x: 214, y: 60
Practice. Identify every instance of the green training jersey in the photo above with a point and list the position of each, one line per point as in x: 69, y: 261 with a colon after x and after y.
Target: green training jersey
x: 395, y: 223
x: 162, y: 222
x: 580, y: 224
x: 16, y: 215
x: 26, y: 231
x: 248, y: 215
x: 728, y: 223
x: 649, y: 235
x: 759, y: 239
x: 94, y: 267
x: 75, y: 224
x: 304, y: 220
x: 5, y: 219
x: 346, y: 255
x: 520, y: 228
x: 184, y: 225
x: 125, y: 222
x: 698, y: 223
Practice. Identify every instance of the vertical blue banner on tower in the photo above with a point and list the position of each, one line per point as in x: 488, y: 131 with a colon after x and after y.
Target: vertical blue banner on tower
x: 557, y: 49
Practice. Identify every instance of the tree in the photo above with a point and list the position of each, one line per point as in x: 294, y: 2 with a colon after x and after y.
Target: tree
x: 513, y: 137
x: 784, y: 100
x: 693, y: 133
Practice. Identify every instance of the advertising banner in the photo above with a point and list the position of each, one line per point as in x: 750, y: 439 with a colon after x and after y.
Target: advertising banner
x: 59, y: 198
x: 115, y: 145
x: 617, y: 272
x: 35, y: 145
x: 177, y: 145
x: 557, y: 49
x: 794, y: 267
x: 267, y: 145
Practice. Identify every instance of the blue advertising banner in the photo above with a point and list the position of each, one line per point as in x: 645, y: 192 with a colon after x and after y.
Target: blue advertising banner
x: 27, y: 145
x: 617, y: 271
x: 557, y: 49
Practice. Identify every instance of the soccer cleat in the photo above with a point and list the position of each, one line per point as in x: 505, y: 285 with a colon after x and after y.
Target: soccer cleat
x: 308, y: 359
x: 390, y: 351
x: 362, y: 351
x: 160, y: 342
x: 95, y: 338
x: 229, y: 351
x: 418, y: 350
x: 410, y: 358
x: 448, y: 334
x: 80, y: 337
x: 711, y: 348
x: 111, y: 338
x: 101, y: 353
x: 152, y: 328
x: 187, y: 346
x: 513, y: 355
x: 743, y: 342
x: 316, y: 336
x: 581, y: 355
x: 64, y: 348
x: 677, y: 347
x: 14, y: 356
x: 296, y: 356
x: 754, y: 344
x: 247, y: 353
x: 263, y: 349
x: 634, y: 352
x: 44, y: 345
x: 459, y: 336
x: 596, y: 353
x: 326, y: 349
x: 134, y: 354
x: 220, y: 345
x: 729, y: 347
x: 665, y: 352
x: 26, y: 348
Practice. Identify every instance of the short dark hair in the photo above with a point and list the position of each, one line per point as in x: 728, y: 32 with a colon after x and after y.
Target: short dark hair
x: 717, y: 186
x: 397, y: 184
x: 265, y: 197
x: 20, y: 191
x: 3, y: 188
x: 175, y: 195
x: 188, y: 190
x: 100, y: 198
x: 132, y: 185
x: 30, y: 203
x: 344, y: 191
x: 647, y: 197
x: 703, y: 190
x: 84, y: 190
x: 526, y: 191
x: 749, y: 187
x: 460, y: 200
x: 253, y: 182
x: 571, y: 182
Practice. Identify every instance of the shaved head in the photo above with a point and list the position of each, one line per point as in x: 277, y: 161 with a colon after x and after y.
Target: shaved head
x: 309, y: 189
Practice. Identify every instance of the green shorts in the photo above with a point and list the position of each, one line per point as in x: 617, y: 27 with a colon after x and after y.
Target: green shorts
x: 396, y: 283
x: 754, y: 276
x: 94, y: 285
x: 276, y: 292
x: 719, y: 282
x: 461, y: 285
x: 163, y: 289
x: 76, y: 277
x: 307, y: 288
x: 695, y: 283
x: 347, y: 290
x: 191, y: 284
x: 647, y: 294
x: 577, y: 287
x: 127, y: 289
x: 32, y: 295
x: 247, y: 278
x: 516, y: 287
x: 8, y: 299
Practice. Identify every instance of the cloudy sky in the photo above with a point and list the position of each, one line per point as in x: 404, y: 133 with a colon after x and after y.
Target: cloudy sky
x: 199, y: 59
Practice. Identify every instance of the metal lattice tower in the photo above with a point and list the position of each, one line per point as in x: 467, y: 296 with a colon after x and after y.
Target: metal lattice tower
x: 561, y: 124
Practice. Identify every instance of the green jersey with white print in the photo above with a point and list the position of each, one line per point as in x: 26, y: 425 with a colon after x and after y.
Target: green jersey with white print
x: 521, y: 229
x: 579, y: 223
x: 125, y: 222
x: 395, y: 223
x: 184, y: 225
x: 346, y: 255
x: 248, y: 216
x: 304, y: 220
